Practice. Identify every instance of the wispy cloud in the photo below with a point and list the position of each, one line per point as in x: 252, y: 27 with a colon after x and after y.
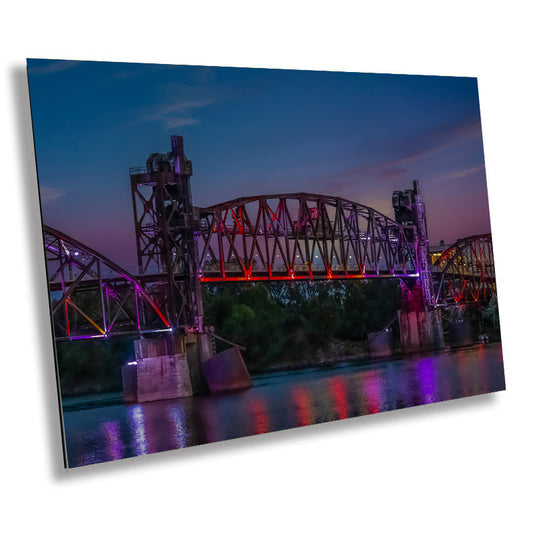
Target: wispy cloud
x: 177, y: 122
x: 398, y: 155
x: 460, y: 174
x: 175, y: 114
x: 49, y: 194
x: 53, y: 67
x: 420, y: 154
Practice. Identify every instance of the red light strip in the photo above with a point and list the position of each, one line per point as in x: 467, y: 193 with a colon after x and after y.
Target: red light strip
x: 303, y: 278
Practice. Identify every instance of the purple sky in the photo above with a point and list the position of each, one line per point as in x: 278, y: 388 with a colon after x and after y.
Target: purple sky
x: 249, y: 132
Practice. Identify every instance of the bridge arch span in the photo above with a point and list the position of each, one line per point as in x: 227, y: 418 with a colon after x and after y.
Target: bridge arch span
x: 465, y: 271
x: 300, y: 236
x: 91, y: 296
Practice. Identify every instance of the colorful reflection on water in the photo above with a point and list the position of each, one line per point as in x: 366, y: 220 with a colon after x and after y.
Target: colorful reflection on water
x: 340, y: 397
x: 280, y: 401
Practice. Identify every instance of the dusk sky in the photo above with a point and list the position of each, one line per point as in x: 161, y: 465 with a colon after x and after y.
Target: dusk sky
x: 249, y: 132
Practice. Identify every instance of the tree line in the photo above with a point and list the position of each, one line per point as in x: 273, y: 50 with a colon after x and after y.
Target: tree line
x: 287, y: 324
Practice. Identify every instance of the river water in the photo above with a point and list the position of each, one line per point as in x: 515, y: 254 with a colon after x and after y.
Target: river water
x: 280, y: 401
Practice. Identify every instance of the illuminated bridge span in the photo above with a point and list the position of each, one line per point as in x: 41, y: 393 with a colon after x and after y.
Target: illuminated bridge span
x: 270, y: 238
x: 281, y: 237
x: 464, y: 273
x: 93, y: 297
x: 300, y: 237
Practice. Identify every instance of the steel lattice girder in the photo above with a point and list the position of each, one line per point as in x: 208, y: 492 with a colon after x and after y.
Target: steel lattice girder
x: 93, y: 297
x: 146, y: 227
x: 465, y: 271
x: 300, y: 236
x: 165, y: 232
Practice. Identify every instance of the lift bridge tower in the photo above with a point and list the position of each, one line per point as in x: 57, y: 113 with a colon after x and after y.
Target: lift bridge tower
x: 180, y: 362
x: 420, y: 319
x: 165, y: 226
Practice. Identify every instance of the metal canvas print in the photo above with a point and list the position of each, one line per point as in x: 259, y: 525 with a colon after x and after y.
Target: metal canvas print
x: 235, y: 251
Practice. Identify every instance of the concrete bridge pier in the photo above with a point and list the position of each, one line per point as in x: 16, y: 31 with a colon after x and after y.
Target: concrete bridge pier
x: 198, y: 348
x: 421, y: 330
x: 179, y: 365
x: 420, y: 324
x: 160, y: 370
x: 215, y: 372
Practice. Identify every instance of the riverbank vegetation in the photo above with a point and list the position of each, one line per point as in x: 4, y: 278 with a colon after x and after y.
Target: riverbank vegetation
x: 294, y: 324
x: 93, y: 366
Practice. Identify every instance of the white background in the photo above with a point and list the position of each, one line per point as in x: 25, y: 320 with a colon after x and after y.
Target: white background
x: 459, y: 466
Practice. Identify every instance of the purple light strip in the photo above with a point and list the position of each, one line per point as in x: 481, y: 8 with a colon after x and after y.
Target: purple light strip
x: 79, y: 337
x: 137, y: 306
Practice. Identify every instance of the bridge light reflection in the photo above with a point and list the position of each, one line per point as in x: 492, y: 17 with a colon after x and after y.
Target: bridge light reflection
x: 425, y: 371
x: 373, y: 388
x: 136, y: 416
x: 259, y: 411
x: 339, y: 393
x: 177, y: 418
x: 114, y: 442
x: 304, y: 406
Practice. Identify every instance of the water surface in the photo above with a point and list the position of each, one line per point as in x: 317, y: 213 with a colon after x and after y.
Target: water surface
x: 279, y: 401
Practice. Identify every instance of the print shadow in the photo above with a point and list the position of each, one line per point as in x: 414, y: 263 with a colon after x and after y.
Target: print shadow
x: 38, y: 313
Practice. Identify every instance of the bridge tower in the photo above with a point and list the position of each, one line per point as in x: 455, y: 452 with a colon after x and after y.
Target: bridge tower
x: 420, y: 320
x: 166, y: 228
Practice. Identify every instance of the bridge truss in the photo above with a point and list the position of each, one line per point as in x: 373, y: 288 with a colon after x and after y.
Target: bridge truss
x: 93, y: 297
x: 464, y: 273
x: 300, y: 237
x: 264, y: 238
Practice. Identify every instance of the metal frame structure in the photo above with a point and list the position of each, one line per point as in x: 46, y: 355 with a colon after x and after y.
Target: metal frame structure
x: 330, y: 238
x: 300, y: 236
x: 295, y: 236
x: 410, y: 211
x: 92, y: 297
x: 465, y: 271
x: 165, y: 227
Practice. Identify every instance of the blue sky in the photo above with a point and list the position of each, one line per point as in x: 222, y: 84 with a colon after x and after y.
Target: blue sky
x: 249, y: 132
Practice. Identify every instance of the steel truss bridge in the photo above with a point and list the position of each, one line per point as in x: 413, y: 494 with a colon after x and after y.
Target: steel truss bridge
x: 286, y: 237
x: 93, y: 297
x: 300, y: 237
x: 464, y: 273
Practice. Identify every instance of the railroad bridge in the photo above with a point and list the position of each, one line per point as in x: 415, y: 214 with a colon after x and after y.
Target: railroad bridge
x: 284, y: 237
